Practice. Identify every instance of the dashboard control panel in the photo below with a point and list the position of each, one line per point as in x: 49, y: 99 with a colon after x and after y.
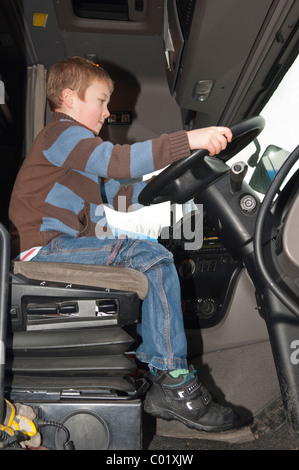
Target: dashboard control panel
x: 207, y: 277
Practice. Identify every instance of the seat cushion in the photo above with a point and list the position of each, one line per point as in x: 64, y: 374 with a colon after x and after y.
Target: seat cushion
x: 112, y: 277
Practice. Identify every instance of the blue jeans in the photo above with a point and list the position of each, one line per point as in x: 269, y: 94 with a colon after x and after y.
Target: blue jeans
x: 163, y: 343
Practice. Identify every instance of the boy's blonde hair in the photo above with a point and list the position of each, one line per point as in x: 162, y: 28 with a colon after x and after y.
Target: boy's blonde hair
x: 75, y: 73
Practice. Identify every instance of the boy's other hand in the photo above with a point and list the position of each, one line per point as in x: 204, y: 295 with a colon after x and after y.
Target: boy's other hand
x: 213, y: 139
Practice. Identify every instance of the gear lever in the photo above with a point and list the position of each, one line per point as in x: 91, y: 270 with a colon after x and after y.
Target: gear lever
x: 237, y: 175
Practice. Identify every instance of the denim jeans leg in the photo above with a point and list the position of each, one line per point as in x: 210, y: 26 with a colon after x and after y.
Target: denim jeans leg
x: 161, y: 328
x: 84, y: 250
x: 164, y: 343
x: 163, y: 337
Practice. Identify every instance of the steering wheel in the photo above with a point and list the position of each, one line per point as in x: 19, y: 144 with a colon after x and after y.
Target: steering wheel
x: 280, y: 290
x: 181, y: 180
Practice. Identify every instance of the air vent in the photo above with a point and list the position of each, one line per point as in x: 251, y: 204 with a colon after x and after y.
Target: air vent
x: 113, y: 10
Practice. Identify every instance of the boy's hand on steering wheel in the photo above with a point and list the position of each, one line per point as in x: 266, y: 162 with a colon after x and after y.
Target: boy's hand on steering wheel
x: 213, y: 139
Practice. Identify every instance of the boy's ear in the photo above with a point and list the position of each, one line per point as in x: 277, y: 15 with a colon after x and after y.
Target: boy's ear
x: 67, y: 97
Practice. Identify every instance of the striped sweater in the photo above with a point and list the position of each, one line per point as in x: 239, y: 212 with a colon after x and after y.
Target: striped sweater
x: 69, y: 173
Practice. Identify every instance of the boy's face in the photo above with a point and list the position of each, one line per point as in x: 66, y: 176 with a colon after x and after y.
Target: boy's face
x: 93, y: 111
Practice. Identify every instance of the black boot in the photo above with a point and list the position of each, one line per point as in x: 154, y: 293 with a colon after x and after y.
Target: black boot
x: 186, y: 400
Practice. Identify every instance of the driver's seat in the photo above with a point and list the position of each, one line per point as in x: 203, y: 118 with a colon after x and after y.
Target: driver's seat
x: 70, y: 331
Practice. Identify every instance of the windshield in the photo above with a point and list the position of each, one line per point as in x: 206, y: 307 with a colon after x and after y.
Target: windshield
x: 279, y: 137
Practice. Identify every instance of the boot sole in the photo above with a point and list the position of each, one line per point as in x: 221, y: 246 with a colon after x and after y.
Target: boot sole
x: 171, y: 416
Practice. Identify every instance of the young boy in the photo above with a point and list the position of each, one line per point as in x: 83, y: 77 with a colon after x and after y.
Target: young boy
x: 54, y: 212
